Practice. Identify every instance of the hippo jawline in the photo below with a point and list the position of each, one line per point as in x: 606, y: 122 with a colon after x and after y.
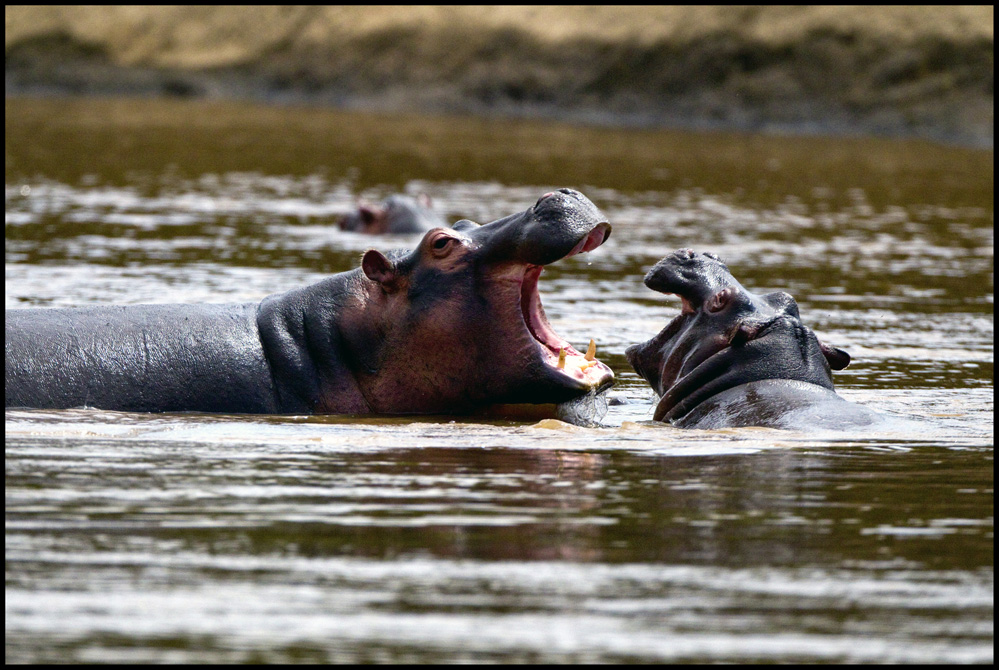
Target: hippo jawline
x: 580, y: 370
x: 719, y: 371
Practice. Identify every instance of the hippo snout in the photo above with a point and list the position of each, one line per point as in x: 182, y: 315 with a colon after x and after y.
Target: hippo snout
x: 697, y: 278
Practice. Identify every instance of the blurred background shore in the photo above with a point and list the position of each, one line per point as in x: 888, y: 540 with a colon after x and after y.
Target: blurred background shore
x: 923, y: 72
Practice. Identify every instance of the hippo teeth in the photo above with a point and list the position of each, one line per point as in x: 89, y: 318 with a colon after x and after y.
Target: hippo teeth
x: 556, y: 351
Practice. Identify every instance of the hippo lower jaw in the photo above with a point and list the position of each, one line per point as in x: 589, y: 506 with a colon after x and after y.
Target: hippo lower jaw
x: 556, y: 352
x: 751, y: 353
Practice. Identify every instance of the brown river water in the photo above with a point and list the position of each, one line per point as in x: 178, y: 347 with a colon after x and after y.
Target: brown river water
x: 197, y: 538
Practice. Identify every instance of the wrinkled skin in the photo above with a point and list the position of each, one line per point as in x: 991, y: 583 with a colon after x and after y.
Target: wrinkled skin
x: 396, y: 215
x: 732, y: 358
x: 449, y: 327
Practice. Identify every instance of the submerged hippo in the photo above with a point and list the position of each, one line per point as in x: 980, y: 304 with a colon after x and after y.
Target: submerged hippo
x: 732, y: 358
x: 449, y: 327
x: 397, y: 214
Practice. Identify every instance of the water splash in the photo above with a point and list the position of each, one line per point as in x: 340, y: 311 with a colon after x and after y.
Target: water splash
x: 587, y: 410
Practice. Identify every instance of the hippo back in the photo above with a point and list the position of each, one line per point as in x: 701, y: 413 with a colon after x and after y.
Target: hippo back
x: 138, y: 358
x: 778, y: 403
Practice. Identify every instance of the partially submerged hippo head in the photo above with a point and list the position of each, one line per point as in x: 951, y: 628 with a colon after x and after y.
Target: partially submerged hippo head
x: 725, y: 336
x: 397, y: 214
x: 457, y: 323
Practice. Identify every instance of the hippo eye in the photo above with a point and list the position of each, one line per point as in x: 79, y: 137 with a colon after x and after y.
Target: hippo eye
x: 442, y: 245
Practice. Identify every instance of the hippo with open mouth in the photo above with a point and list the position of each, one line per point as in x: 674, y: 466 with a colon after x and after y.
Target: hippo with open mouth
x: 451, y: 326
x: 732, y: 358
x: 396, y: 215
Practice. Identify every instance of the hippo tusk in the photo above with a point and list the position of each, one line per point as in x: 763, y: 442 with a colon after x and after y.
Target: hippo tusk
x: 591, y: 351
x: 561, y: 359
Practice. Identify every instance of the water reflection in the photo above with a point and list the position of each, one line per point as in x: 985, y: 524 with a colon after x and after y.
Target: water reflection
x: 598, y: 554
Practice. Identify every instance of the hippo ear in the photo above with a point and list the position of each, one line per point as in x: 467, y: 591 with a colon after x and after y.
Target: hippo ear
x: 368, y: 214
x: 464, y: 224
x: 838, y: 359
x: 378, y: 268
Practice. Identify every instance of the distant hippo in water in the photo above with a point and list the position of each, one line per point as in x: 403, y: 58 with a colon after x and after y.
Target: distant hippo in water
x: 449, y: 327
x: 397, y: 214
x: 732, y: 358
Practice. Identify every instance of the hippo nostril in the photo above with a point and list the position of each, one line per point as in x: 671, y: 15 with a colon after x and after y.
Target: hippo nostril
x: 546, y: 195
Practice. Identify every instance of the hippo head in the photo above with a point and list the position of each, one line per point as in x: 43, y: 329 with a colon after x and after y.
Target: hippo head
x: 724, y: 336
x: 398, y: 214
x: 457, y: 323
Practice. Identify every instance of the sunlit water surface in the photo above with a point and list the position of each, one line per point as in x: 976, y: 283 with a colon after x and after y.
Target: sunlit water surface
x: 197, y: 538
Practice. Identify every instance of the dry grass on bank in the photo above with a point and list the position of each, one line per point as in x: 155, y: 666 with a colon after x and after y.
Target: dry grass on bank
x: 898, y: 71
x: 213, y: 36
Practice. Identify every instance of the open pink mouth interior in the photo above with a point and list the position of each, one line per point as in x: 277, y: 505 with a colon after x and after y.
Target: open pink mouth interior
x: 590, y: 242
x: 575, y: 364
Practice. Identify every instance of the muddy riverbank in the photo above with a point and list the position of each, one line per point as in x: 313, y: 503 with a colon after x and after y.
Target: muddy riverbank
x: 891, y: 71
